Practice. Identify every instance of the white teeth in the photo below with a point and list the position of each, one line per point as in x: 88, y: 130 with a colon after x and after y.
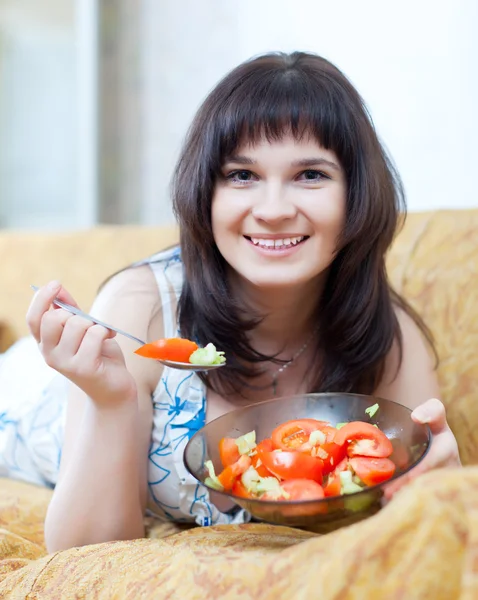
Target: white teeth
x: 279, y: 243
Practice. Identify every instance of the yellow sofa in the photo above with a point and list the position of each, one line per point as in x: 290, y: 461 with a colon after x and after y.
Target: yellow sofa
x: 424, y: 544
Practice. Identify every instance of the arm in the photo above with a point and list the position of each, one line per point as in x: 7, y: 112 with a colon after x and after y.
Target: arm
x: 414, y: 380
x: 101, y: 491
x: 414, y: 383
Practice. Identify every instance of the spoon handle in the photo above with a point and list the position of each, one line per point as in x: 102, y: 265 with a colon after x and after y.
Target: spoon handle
x: 76, y: 311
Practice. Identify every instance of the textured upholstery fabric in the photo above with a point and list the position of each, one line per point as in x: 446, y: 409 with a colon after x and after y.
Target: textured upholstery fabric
x: 424, y: 544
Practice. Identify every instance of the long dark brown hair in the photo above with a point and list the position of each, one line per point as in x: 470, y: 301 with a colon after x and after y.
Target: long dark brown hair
x: 356, y: 317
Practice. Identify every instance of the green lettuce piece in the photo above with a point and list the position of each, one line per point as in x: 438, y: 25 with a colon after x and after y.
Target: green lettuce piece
x: 256, y: 484
x: 372, y: 410
x: 246, y: 443
x: 207, y: 356
x: 340, y: 425
x: 212, y: 480
x: 347, y: 484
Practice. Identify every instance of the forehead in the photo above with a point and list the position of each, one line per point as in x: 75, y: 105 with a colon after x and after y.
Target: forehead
x: 287, y: 148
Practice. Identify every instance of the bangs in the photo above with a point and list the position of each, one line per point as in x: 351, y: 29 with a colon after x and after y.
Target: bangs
x: 269, y: 105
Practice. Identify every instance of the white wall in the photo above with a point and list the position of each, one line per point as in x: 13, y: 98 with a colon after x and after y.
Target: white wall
x: 37, y: 114
x: 415, y: 62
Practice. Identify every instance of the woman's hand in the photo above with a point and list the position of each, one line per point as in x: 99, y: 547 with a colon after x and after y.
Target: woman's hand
x: 444, y: 448
x: 80, y: 350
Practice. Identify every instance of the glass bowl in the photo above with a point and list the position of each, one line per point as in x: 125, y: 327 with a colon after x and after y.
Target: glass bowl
x: 410, y: 442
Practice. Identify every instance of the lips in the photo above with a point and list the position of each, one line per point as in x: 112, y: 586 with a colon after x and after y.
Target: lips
x: 277, y: 243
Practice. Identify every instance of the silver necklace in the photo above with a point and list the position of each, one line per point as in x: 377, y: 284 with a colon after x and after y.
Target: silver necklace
x: 275, y: 376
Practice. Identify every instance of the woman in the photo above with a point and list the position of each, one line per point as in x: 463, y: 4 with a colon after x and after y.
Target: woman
x: 287, y: 205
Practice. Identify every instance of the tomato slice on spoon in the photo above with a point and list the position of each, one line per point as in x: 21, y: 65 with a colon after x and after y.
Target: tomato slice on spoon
x: 174, y: 349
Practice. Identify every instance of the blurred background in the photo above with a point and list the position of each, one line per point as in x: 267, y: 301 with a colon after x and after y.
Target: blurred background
x: 96, y: 96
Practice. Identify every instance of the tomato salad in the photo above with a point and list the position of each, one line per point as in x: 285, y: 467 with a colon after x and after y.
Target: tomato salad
x: 183, y: 351
x: 304, y: 459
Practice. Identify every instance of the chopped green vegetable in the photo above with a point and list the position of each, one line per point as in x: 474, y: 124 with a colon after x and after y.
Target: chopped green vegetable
x: 256, y: 484
x: 371, y: 410
x: 340, y: 425
x: 317, y: 437
x: 246, y: 443
x: 272, y: 486
x: 250, y: 479
x: 207, y: 356
x: 212, y: 480
x: 347, y: 484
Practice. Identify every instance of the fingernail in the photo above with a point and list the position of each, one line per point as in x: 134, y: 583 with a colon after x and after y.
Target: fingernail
x: 421, y: 415
x: 54, y: 285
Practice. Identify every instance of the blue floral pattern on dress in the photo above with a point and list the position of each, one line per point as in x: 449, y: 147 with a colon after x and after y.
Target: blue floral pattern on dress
x: 31, y: 431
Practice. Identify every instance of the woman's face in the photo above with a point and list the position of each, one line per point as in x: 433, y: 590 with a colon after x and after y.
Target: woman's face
x: 278, y: 210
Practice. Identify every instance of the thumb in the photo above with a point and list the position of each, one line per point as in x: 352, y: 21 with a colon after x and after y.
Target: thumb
x: 432, y: 412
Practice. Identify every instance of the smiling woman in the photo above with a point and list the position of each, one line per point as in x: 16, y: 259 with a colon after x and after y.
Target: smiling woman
x: 277, y: 223
x: 287, y: 205
x: 284, y: 148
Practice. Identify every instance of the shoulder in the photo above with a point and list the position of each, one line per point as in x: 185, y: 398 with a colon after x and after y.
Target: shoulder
x: 135, y: 284
x: 131, y: 301
x: 409, y: 376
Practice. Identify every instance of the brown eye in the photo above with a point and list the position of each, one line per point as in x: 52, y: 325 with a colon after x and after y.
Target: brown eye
x: 241, y: 176
x: 311, y: 175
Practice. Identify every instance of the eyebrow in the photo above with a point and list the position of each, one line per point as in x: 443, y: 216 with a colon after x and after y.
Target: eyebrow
x: 303, y: 162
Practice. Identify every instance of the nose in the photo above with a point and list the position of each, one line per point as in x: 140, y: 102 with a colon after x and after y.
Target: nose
x: 273, y: 205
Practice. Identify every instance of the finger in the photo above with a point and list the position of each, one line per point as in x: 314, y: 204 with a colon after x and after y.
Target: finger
x: 433, y: 414
x: 65, y: 296
x: 51, y: 329
x: 92, y: 343
x: 443, y: 452
x: 39, y: 305
x: 73, y: 334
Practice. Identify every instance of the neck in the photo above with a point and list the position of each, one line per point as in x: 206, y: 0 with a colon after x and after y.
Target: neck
x: 288, y: 315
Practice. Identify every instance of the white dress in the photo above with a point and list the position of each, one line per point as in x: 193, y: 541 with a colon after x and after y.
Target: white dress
x: 32, y: 414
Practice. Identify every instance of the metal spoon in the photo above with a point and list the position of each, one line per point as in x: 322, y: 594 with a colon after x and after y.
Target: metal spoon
x: 168, y: 363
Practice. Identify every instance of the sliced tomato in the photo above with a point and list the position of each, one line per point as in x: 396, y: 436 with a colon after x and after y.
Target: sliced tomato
x: 334, y: 486
x: 232, y: 472
x: 298, y: 489
x: 372, y: 470
x: 175, y: 349
x: 265, y: 446
x: 303, y: 489
x: 228, y: 451
x: 331, y: 454
x: 292, y: 465
x: 293, y: 434
x: 239, y: 489
x: 342, y: 466
x: 364, y: 439
x: 330, y: 432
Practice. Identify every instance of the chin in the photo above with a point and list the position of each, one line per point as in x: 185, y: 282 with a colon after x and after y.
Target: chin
x: 271, y: 281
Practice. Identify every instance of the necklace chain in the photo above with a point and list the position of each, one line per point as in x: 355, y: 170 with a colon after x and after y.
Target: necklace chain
x: 275, y: 376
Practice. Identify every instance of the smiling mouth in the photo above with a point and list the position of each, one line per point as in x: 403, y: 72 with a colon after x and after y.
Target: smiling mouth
x: 277, y: 244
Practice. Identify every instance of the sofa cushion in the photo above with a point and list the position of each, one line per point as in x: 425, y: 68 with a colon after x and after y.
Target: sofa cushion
x: 434, y: 264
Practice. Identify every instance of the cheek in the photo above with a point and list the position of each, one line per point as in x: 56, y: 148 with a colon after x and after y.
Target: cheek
x: 330, y: 216
x: 226, y: 214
